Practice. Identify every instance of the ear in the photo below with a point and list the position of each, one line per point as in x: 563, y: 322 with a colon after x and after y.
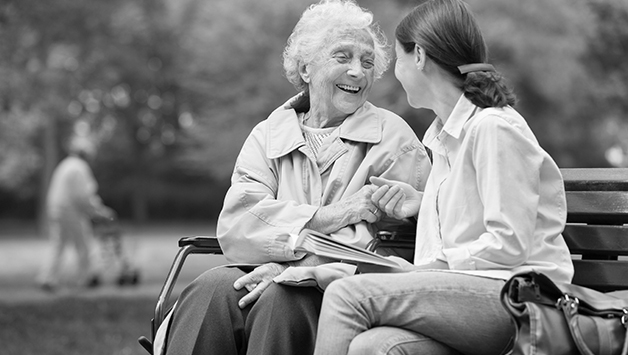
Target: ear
x: 420, y: 57
x: 304, y: 72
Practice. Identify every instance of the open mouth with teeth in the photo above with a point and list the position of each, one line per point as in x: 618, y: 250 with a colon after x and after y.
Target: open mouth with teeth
x: 348, y: 88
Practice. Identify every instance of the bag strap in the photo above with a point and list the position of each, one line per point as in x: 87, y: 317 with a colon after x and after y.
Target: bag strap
x: 569, y: 307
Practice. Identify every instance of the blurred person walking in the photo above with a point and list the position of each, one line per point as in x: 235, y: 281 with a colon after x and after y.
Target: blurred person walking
x: 72, y: 201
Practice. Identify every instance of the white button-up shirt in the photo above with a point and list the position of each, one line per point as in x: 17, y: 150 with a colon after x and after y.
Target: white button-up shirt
x: 494, y: 203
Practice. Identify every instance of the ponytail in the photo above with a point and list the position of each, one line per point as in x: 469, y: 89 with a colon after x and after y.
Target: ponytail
x: 487, y: 89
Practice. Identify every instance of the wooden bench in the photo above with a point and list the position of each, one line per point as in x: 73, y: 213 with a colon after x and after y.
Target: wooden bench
x: 596, y: 233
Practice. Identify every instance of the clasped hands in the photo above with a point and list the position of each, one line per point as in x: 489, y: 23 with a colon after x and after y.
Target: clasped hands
x: 397, y: 199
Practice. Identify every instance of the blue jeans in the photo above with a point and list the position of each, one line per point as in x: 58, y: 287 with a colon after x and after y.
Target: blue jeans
x: 422, y: 312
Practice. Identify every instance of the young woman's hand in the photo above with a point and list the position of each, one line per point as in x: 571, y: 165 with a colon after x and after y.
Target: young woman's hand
x: 397, y: 199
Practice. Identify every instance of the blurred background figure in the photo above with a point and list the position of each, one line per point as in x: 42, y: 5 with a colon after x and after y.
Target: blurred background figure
x: 72, y: 201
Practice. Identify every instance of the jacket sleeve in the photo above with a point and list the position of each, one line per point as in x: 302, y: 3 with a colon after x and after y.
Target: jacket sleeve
x: 400, y: 155
x: 405, y: 159
x: 412, y: 165
x: 254, y: 226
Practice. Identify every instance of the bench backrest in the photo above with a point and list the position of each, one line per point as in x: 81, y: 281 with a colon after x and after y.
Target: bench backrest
x: 596, y: 231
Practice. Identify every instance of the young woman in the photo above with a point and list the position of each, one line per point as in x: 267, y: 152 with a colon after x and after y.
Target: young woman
x: 493, y: 206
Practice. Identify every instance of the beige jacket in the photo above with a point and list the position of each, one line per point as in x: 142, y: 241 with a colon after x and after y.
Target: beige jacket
x: 277, y: 186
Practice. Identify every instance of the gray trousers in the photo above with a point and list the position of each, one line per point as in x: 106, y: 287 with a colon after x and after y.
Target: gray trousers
x: 208, y: 321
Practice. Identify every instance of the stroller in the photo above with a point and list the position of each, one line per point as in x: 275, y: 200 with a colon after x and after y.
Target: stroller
x: 115, y: 259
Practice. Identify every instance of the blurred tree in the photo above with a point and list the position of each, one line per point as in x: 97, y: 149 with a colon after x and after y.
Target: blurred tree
x: 537, y: 45
x: 105, y: 64
x: 605, y: 59
x: 230, y: 66
x: 172, y: 88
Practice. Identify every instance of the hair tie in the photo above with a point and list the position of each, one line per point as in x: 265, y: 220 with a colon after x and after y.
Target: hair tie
x: 469, y: 68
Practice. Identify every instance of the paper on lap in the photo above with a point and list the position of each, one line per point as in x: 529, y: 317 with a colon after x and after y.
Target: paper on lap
x: 313, y: 242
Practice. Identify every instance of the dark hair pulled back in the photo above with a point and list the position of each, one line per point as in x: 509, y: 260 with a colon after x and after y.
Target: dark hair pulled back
x: 450, y: 36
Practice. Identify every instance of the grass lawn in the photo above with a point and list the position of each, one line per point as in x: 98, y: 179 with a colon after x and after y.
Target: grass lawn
x: 75, y: 325
x: 107, y: 320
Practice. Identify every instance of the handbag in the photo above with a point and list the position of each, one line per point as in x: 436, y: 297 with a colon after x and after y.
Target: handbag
x: 554, y: 318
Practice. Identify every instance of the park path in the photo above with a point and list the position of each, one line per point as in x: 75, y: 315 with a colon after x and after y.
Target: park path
x: 151, y: 248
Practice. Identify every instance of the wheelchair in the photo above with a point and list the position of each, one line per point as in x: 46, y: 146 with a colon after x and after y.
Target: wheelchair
x: 398, y: 236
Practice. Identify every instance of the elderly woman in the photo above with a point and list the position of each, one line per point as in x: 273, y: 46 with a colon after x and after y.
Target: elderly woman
x: 306, y: 166
x: 494, y: 205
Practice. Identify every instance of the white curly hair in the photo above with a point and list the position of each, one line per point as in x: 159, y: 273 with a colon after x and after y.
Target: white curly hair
x: 317, y: 24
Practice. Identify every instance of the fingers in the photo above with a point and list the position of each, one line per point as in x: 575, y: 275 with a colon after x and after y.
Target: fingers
x: 246, y: 281
x: 394, y: 206
x: 373, y: 214
x: 257, y: 281
x: 252, y: 283
x: 379, y: 194
x: 389, y: 199
x: 254, y: 293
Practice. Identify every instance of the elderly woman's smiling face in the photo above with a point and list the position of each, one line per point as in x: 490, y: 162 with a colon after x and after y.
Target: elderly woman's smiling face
x: 342, y: 77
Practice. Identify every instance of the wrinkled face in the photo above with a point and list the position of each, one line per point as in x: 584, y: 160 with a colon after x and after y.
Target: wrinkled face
x: 342, y: 77
x: 406, y: 72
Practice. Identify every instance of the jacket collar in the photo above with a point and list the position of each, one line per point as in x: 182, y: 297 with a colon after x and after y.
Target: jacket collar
x: 284, y: 133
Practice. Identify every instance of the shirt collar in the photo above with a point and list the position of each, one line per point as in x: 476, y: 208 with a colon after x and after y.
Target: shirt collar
x: 284, y: 134
x: 462, y: 112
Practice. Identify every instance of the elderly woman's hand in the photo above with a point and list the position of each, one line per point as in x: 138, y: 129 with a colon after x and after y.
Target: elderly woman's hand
x: 350, y: 210
x: 397, y: 199
x: 362, y: 206
x: 257, y: 281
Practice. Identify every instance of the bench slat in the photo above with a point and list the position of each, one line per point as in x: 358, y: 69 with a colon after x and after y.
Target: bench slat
x: 599, y: 179
x: 601, y: 275
x: 604, y: 240
x: 597, y: 207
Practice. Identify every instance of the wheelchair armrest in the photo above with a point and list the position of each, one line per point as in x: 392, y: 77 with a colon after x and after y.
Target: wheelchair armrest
x: 209, y: 245
x: 187, y: 246
x: 397, y: 236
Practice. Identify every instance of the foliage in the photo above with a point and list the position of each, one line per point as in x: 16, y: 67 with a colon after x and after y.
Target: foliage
x: 19, y: 158
x: 171, y: 88
x: 605, y: 58
x: 103, y: 64
x: 537, y: 45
